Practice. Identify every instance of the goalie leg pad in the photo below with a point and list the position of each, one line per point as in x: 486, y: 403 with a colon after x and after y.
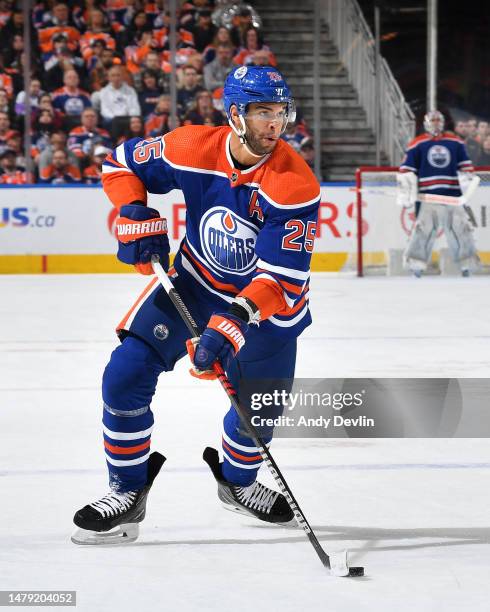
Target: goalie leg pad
x: 459, y: 236
x: 419, y: 248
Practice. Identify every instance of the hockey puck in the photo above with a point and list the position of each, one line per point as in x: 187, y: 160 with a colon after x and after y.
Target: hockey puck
x: 356, y: 571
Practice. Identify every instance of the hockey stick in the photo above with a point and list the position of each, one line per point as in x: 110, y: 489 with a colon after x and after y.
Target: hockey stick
x: 434, y: 198
x: 336, y: 563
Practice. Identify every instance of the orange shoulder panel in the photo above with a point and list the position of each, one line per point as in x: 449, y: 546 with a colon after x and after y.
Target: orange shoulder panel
x: 452, y: 136
x: 417, y: 139
x: 196, y: 146
x: 287, y: 179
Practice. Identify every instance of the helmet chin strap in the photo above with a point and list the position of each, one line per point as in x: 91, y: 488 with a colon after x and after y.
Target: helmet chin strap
x: 241, y: 135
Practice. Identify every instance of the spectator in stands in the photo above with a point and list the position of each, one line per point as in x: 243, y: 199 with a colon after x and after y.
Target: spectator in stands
x: 203, y: 112
x: 43, y: 127
x: 461, y: 129
x: 135, y: 129
x: 216, y: 71
x: 6, y: 81
x: 57, y: 61
x: 46, y: 103
x: 472, y: 127
x: 189, y: 10
x: 117, y: 99
x: 6, y: 131
x: 307, y: 152
x: 139, y: 24
x: 484, y: 158
x: 187, y: 92
x: 14, y: 50
x: 243, y: 22
x: 14, y: 143
x: 99, y: 71
x: 135, y: 54
x: 57, y: 142
x: 253, y: 42
x: 203, y: 30
x: 261, y: 57
x: 96, y: 48
x: 60, y: 170
x: 10, y: 173
x: 152, y: 62
x: 55, y: 24
x: 158, y: 122
x: 473, y: 147
x: 70, y: 99
x: 93, y: 172
x: 35, y: 90
x: 15, y: 26
x: 482, y: 131
x: 222, y: 36
x: 59, y: 16
x: 5, y: 105
x: 97, y: 30
x: 150, y: 93
x: 83, y: 138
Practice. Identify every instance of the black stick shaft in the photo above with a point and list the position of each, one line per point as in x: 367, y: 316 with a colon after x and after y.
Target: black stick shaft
x: 252, y: 431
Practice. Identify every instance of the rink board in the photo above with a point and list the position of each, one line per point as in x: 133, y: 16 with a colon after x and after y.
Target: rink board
x: 66, y: 229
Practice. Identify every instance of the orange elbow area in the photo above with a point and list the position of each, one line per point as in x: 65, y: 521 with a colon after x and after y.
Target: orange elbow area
x: 123, y: 188
x: 267, y: 295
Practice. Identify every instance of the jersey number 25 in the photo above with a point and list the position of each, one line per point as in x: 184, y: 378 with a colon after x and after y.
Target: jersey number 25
x: 147, y: 149
x: 300, y: 236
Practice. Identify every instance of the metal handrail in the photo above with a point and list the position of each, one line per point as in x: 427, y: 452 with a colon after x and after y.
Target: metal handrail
x: 355, y: 43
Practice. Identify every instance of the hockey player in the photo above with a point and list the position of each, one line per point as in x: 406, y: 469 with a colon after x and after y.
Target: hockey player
x: 242, y: 270
x: 437, y: 163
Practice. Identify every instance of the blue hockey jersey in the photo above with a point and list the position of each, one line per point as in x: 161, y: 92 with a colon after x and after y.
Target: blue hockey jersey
x: 437, y: 160
x: 248, y: 232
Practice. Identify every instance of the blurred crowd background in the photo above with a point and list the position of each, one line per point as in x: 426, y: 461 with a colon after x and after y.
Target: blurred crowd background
x: 100, y: 75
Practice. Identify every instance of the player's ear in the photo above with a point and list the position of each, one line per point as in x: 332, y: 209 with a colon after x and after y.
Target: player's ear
x: 234, y: 115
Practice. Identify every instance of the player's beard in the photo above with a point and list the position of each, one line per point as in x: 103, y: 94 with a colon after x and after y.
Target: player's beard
x: 256, y: 144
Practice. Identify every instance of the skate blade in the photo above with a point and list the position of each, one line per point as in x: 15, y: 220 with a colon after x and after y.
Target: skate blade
x: 239, y: 510
x: 122, y: 534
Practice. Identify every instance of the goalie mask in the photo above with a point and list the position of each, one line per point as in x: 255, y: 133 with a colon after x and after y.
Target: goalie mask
x: 248, y: 84
x: 434, y: 123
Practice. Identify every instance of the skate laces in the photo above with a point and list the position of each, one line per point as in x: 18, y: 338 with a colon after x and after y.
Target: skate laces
x: 114, y: 503
x: 257, y: 496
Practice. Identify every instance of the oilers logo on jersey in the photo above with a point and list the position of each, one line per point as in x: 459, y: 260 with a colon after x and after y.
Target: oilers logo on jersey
x: 228, y: 241
x: 439, y: 156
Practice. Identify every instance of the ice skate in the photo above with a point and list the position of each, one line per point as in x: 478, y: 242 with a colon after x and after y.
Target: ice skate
x: 256, y: 500
x: 114, y: 518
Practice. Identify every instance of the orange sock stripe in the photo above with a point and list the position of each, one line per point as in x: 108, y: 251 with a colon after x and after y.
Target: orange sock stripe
x: 242, y: 457
x: 126, y: 450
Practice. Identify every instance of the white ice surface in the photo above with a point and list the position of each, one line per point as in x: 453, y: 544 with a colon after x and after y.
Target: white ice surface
x: 418, y: 524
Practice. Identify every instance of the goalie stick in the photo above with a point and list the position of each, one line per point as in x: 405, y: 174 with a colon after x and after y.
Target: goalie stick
x: 434, y: 198
x: 336, y: 563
